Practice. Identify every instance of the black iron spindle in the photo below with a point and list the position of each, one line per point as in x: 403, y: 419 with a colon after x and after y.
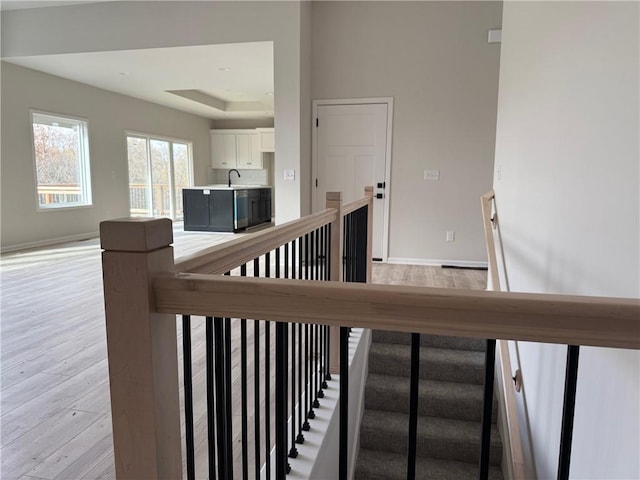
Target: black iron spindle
x: 307, y: 381
x: 344, y: 402
x: 267, y: 379
x: 286, y: 260
x: 228, y: 412
x: 413, y: 406
x: 211, y: 425
x: 568, y: 410
x: 188, y: 396
x: 300, y: 437
x: 256, y: 380
x: 487, y: 408
x: 281, y: 394
x: 218, y: 326
x: 320, y: 373
x: 244, y: 387
x: 316, y: 369
x: 293, y: 453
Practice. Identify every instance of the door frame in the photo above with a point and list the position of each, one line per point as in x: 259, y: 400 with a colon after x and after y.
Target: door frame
x: 314, y: 157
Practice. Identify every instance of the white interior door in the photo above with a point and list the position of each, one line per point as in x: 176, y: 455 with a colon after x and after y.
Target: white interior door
x: 351, y: 143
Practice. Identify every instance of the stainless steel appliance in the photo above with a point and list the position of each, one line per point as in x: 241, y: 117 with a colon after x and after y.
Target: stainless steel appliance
x: 240, y: 209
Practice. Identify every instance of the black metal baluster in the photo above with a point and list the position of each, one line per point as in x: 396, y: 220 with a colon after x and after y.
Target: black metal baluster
x: 188, y: 396
x: 413, y: 405
x: 316, y: 372
x: 293, y: 453
x: 307, y: 379
x: 244, y: 387
x: 328, y: 349
x: 344, y: 402
x: 281, y: 411
x: 568, y: 410
x: 315, y: 254
x: 218, y: 326
x: 267, y: 380
x: 227, y: 383
x: 286, y: 260
x: 211, y: 412
x: 256, y: 380
x: 300, y: 437
x: 487, y: 408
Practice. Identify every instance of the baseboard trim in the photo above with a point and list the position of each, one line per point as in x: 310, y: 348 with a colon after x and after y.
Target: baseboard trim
x: 436, y: 262
x: 48, y: 242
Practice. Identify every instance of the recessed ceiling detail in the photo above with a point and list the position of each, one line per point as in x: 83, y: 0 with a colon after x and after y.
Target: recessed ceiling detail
x: 213, y: 81
x: 223, y: 106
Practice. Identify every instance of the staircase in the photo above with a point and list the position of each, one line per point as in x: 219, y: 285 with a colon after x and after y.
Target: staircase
x: 449, y: 410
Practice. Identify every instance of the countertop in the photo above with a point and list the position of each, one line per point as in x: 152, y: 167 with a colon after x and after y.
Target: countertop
x: 223, y: 186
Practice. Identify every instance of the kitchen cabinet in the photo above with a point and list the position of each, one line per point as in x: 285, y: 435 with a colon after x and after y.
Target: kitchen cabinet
x: 219, y: 208
x: 267, y: 138
x: 235, y: 149
x: 208, y: 210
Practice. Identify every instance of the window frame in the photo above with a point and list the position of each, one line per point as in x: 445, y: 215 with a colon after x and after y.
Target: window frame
x: 84, y: 162
x: 148, y: 137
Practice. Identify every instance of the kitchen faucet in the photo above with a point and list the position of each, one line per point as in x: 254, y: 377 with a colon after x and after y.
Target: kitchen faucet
x: 233, y: 170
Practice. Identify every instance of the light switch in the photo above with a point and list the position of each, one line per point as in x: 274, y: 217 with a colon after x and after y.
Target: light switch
x: 432, y: 174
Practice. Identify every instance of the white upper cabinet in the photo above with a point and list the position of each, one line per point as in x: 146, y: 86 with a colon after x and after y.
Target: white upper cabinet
x: 248, y: 152
x: 267, y: 139
x: 235, y: 149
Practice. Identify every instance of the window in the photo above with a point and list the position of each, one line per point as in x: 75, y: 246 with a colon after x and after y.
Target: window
x: 61, y: 155
x: 158, y: 171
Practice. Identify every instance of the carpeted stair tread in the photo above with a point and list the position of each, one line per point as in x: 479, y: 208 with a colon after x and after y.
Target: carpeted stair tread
x: 442, y: 438
x: 434, y: 341
x: 435, y: 398
x: 377, y: 465
x: 449, y: 365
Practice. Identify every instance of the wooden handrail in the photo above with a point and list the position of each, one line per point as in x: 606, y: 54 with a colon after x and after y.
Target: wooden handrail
x: 512, y: 423
x: 596, y: 321
x: 227, y: 256
x: 355, y: 205
x: 486, y: 200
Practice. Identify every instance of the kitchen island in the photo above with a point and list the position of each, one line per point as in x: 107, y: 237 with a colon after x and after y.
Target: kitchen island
x: 223, y: 208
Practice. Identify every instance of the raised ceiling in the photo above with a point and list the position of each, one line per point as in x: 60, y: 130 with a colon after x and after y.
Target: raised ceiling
x: 214, y: 81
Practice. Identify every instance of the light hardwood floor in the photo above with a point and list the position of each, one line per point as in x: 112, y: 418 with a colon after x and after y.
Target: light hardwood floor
x: 54, y: 398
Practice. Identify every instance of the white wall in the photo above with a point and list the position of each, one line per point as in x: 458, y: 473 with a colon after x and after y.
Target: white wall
x: 567, y: 190
x: 111, y: 26
x: 109, y: 115
x: 434, y: 60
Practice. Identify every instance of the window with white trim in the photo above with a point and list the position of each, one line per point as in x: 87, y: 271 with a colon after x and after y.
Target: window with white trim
x: 61, y: 156
x: 159, y: 168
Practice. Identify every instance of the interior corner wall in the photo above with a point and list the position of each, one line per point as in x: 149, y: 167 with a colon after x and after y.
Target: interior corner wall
x: 567, y: 185
x: 108, y: 26
x: 305, y: 107
x: 434, y: 60
x: 109, y: 116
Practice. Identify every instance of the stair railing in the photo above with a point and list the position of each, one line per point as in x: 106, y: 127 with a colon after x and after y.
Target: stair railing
x: 515, y: 457
x: 144, y: 292
x: 143, y: 362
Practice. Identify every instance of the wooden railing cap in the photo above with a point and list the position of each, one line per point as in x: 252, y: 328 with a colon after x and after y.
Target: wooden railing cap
x: 334, y: 196
x: 136, y: 234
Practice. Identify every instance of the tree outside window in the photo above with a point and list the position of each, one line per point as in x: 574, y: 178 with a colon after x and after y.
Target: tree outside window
x: 61, y: 155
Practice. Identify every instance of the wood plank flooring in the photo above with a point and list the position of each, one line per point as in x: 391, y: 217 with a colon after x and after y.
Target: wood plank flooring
x: 54, y: 398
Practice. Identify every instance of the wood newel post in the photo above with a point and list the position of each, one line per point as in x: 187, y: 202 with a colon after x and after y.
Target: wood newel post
x: 368, y: 193
x: 142, y: 351
x: 334, y: 200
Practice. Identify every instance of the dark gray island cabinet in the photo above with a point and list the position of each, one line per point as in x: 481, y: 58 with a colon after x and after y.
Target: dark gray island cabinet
x: 219, y: 208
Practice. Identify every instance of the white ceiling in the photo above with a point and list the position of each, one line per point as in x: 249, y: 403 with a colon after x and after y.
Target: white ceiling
x: 221, y: 81
x: 22, y: 4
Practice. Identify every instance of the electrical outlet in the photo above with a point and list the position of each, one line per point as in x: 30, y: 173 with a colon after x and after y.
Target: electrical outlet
x: 432, y: 174
x: 289, y: 174
x: 451, y: 236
